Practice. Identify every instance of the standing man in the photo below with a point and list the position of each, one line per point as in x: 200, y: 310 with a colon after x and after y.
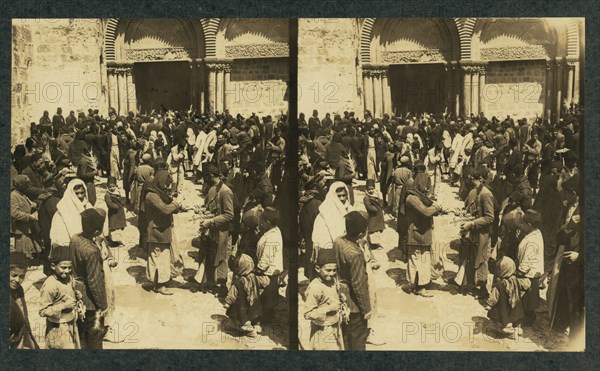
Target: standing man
x: 89, y: 278
x: 45, y: 123
x: 419, y: 211
x: 314, y: 124
x: 269, y: 253
x: 58, y: 122
x: 530, y: 261
x: 219, y: 201
x: 352, y: 268
x: 480, y: 205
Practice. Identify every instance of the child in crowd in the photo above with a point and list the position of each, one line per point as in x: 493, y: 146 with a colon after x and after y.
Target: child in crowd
x: 242, y: 301
x: 269, y: 253
x: 20, y: 334
x: 504, y: 304
x: 323, y: 305
x: 116, y: 210
x: 374, y: 205
x: 59, y: 302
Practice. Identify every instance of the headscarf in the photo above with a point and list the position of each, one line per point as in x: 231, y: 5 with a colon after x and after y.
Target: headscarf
x: 412, y: 187
x: 246, y: 279
x: 69, y: 209
x: 21, y: 183
x: 420, y: 182
x: 333, y: 211
x: 156, y: 185
x: 513, y: 286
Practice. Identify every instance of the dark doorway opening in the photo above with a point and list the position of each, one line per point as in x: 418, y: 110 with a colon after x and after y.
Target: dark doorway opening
x: 162, y: 85
x: 418, y: 88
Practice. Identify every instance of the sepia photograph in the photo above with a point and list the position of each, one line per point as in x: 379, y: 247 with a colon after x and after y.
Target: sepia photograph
x: 417, y: 189
x: 146, y: 184
x: 441, y: 164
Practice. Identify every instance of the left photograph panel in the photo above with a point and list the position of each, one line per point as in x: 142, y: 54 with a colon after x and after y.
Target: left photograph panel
x: 146, y: 183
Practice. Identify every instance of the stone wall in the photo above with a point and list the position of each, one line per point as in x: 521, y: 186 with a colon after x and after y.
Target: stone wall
x: 327, y: 66
x: 515, y: 88
x: 259, y: 86
x: 56, y: 63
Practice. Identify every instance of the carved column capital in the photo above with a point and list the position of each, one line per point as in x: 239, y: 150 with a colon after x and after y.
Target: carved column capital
x: 560, y: 63
x: 120, y: 69
x: 219, y: 64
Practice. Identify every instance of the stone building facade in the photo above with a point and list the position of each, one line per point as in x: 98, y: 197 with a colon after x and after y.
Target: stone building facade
x: 521, y: 67
x: 140, y: 65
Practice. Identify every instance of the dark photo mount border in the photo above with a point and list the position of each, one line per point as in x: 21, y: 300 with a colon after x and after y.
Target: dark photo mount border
x: 300, y: 9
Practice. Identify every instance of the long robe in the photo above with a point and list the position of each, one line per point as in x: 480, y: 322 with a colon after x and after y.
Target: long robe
x: 475, y: 245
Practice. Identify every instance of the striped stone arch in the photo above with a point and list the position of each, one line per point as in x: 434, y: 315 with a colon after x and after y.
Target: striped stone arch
x: 210, y: 27
x: 365, y: 40
x: 110, y: 35
x: 465, y: 27
x: 572, y: 39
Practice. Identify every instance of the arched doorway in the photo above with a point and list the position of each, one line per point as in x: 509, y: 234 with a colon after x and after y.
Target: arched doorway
x: 529, y: 65
x: 155, y: 64
x: 408, y: 66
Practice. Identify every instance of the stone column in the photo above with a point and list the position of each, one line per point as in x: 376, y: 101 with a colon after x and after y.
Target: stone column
x: 570, y: 81
x: 475, y: 90
x: 122, y: 87
x: 387, y: 92
x: 368, y: 90
x: 131, y: 92
x: 466, y: 90
x: 576, y: 86
x: 558, y: 91
x: 482, y: 98
x: 226, y: 86
x: 212, y: 88
x: 377, y: 94
x: 549, y: 87
x: 113, y: 93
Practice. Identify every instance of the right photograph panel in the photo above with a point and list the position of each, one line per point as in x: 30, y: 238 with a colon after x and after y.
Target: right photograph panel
x: 441, y: 171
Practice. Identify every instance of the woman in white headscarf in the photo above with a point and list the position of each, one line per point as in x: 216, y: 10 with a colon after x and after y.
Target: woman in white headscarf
x: 330, y: 223
x: 67, y: 220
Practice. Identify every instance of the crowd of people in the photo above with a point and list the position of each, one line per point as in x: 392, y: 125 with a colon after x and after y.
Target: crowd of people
x: 520, y: 183
x: 57, y: 224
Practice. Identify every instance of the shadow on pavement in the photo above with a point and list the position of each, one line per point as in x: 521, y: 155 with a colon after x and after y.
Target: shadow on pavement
x: 398, y: 275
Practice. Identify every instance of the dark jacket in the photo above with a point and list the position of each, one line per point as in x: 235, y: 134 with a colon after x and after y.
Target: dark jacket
x: 88, y: 272
x: 343, y: 171
x: 20, y: 334
x: 352, y: 269
x: 160, y: 218
x: 20, y: 214
x: 116, y: 211
x: 420, y: 222
x: 375, y: 209
x: 76, y: 149
x: 220, y: 202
